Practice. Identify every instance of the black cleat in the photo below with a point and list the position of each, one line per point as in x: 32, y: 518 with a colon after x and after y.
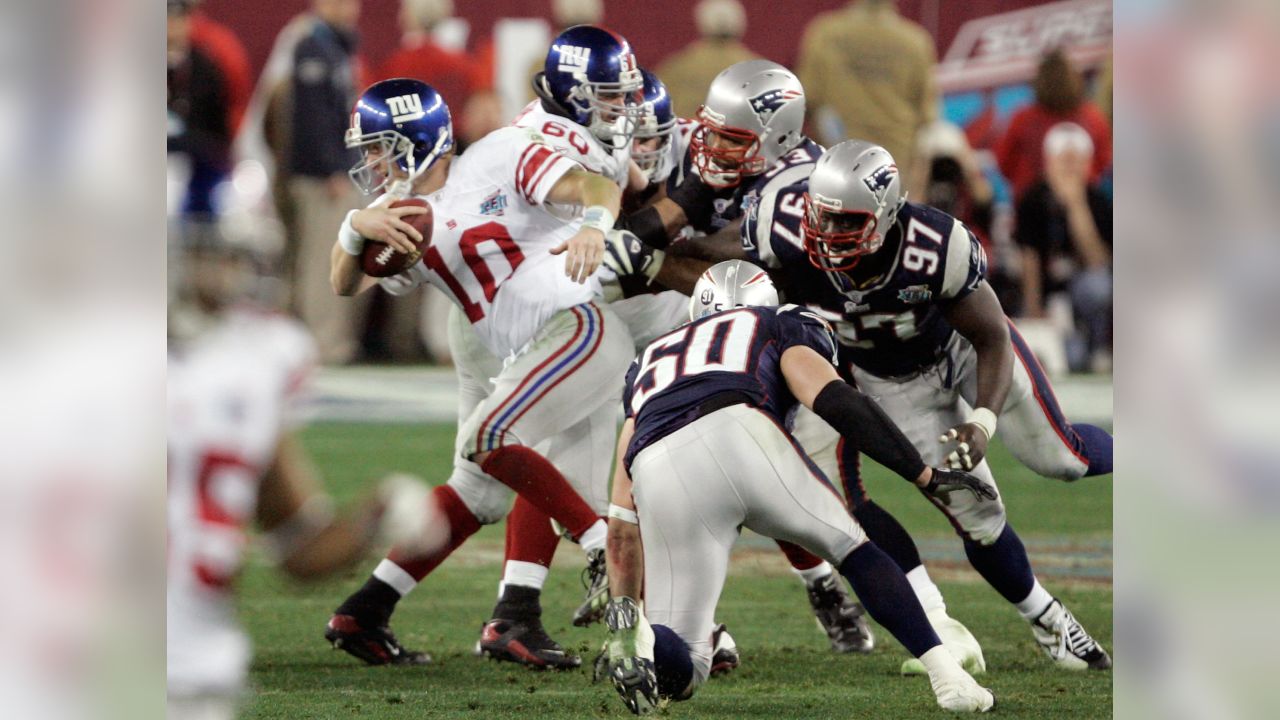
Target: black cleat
x: 376, y: 646
x: 524, y: 642
x: 840, y: 616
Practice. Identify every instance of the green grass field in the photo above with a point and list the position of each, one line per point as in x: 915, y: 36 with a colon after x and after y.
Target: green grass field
x: 787, y: 672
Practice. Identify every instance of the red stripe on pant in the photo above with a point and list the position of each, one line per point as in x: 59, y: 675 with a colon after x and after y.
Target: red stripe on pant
x: 484, y: 426
x: 462, y: 525
x: 590, y: 354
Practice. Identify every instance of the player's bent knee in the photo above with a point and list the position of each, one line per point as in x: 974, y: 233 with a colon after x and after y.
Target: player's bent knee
x: 980, y: 522
x: 486, y: 498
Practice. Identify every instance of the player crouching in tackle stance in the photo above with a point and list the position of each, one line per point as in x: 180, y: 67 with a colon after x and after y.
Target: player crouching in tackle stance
x: 704, y: 452
x: 493, y: 248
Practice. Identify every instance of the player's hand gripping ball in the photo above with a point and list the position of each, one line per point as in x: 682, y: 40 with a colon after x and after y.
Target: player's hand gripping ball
x: 380, y: 258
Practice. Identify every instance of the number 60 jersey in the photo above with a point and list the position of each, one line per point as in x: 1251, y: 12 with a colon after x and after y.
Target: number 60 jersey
x: 893, y: 326
x: 735, y: 351
x: 491, y: 240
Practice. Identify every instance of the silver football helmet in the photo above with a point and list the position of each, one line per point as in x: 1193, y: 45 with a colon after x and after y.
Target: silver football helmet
x: 853, y: 200
x: 753, y: 115
x: 730, y: 284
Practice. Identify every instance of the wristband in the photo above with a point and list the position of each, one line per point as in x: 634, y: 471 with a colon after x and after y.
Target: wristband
x: 598, y: 217
x: 350, y: 240
x: 984, y: 419
x: 626, y: 515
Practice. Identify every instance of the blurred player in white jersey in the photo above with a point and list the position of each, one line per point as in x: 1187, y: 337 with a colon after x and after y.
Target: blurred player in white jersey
x: 236, y: 377
x: 502, y: 214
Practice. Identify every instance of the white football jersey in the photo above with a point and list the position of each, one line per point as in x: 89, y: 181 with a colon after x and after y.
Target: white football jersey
x: 491, y: 240
x: 231, y: 392
x: 577, y: 143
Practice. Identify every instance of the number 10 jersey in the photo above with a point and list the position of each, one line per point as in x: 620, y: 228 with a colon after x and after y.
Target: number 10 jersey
x: 491, y: 240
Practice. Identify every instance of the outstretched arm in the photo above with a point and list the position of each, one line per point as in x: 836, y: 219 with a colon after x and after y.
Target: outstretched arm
x: 602, y: 199
x: 980, y: 319
x: 625, y: 550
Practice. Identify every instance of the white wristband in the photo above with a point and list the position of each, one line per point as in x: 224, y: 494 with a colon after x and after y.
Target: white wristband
x: 626, y: 515
x: 984, y: 419
x: 350, y: 240
x: 598, y: 217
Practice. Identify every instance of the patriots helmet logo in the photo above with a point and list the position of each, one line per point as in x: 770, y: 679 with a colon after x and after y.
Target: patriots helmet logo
x: 769, y: 102
x: 879, y: 180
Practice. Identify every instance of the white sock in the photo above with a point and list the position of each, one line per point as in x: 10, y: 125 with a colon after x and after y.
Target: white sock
x: 926, y: 592
x: 815, y: 573
x: 395, y: 576
x: 595, y: 536
x: 524, y: 574
x: 1035, y: 603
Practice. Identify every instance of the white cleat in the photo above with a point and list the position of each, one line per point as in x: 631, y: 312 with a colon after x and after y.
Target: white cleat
x: 1066, y: 642
x: 956, y: 638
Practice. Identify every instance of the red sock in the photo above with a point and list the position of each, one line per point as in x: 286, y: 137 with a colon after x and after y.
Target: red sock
x: 534, y: 477
x: 462, y: 525
x: 799, y: 558
x: 530, y: 537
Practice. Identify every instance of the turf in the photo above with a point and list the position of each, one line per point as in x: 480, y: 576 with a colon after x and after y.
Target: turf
x: 787, y: 670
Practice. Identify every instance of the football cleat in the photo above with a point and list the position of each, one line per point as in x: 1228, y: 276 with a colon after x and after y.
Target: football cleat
x: 724, y: 651
x: 1066, y: 642
x: 956, y: 638
x: 376, y: 646
x: 840, y: 617
x: 595, y: 579
x: 524, y: 642
x: 630, y: 652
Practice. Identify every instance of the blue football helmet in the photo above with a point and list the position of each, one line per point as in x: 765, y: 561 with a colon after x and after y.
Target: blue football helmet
x: 657, y: 120
x: 585, y: 64
x: 400, y: 121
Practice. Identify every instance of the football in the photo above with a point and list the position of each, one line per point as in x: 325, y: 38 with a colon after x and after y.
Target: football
x: 379, y: 259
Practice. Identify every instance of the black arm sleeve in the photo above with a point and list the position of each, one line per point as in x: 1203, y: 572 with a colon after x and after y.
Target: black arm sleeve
x: 861, y: 421
x: 646, y: 224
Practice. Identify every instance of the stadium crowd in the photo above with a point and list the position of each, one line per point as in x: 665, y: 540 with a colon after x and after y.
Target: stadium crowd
x: 1033, y: 184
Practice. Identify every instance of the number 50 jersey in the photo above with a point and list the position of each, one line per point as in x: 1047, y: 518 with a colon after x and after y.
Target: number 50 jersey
x: 491, y: 240
x: 735, y: 351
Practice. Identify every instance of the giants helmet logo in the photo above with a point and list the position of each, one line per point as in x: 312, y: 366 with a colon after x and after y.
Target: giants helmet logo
x: 405, y: 108
x: 769, y: 102
x: 573, y: 59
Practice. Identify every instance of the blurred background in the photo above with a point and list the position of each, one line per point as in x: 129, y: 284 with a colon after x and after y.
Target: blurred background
x: 998, y: 112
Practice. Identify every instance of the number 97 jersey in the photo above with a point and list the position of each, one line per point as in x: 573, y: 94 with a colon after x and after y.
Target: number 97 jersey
x: 736, y: 351
x: 893, y: 325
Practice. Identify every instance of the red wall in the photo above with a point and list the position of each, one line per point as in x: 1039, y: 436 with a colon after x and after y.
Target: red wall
x: 655, y: 28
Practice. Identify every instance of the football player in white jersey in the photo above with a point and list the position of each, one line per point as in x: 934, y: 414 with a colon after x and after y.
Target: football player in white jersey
x: 236, y: 377
x: 499, y: 223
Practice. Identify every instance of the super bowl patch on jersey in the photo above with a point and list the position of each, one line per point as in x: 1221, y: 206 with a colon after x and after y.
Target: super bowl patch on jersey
x: 915, y: 294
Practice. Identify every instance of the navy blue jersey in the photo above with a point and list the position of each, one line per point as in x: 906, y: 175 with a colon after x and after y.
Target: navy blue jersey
x: 895, y: 325
x: 732, y: 351
x: 729, y: 206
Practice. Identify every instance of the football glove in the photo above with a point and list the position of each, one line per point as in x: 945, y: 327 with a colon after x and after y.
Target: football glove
x: 945, y: 482
x: 630, y: 647
x: 626, y: 255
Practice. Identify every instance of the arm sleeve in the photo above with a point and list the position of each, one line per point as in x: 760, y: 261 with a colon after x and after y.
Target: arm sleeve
x: 537, y: 169
x: 862, y: 422
x: 798, y: 326
x: 628, y: 386
x: 966, y: 263
x: 773, y: 222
